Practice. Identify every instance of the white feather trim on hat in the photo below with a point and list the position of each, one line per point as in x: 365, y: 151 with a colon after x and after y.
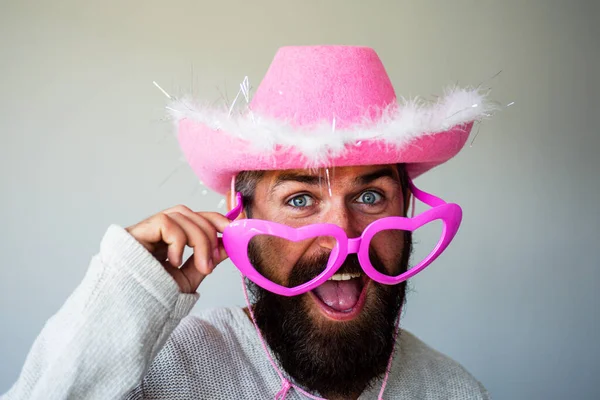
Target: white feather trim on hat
x: 398, y: 125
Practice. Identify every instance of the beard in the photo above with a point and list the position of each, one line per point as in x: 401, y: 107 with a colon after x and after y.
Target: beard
x: 339, y: 358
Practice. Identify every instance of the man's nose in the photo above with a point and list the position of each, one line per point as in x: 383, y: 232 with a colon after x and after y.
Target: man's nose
x: 337, y: 214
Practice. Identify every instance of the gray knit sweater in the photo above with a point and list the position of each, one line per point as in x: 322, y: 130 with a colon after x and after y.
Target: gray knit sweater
x: 125, y: 334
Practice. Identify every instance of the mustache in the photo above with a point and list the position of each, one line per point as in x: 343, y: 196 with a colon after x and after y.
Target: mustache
x: 309, y: 268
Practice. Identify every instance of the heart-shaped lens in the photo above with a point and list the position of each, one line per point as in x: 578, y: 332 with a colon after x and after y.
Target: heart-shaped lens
x: 387, y: 248
x: 290, y: 263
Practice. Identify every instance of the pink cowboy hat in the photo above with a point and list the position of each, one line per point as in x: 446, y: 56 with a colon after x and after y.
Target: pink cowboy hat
x: 323, y: 106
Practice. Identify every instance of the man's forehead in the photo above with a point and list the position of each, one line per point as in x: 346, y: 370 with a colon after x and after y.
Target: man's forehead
x: 351, y: 170
x: 352, y: 174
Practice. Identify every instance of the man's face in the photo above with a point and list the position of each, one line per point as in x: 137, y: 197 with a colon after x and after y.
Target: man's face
x: 337, y: 337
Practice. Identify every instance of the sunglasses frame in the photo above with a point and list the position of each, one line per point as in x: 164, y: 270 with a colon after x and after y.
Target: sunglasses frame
x: 237, y: 236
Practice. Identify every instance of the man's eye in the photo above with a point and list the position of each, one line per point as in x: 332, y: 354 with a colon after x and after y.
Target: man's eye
x: 370, y: 197
x: 303, y: 200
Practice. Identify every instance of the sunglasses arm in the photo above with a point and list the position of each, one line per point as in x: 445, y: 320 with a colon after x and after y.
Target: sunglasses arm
x: 425, y: 197
x: 237, y: 210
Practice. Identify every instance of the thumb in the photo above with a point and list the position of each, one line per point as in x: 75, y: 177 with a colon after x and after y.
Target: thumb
x: 192, y: 274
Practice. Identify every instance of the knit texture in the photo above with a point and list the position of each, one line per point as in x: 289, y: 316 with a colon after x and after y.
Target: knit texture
x: 124, y: 334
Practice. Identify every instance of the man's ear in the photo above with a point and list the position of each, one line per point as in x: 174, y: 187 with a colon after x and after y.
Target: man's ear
x: 231, y: 203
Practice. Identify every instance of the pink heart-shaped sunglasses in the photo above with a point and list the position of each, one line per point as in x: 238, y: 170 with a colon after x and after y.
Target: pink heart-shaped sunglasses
x: 237, y: 236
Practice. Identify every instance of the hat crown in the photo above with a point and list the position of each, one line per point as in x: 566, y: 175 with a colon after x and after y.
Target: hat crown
x: 307, y: 85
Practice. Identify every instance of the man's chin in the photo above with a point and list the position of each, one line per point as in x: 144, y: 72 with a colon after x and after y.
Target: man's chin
x: 321, y: 311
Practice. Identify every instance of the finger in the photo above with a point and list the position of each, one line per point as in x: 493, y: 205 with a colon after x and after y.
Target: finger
x: 192, y: 274
x: 208, y: 228
x: 144, y: 233
x: 161, y: 252
x: 182, y: 280
x: 222, y: 253
x: 219, y: 221
x: 174, y: 236
x: 198, y: 240
x: 150, y: 232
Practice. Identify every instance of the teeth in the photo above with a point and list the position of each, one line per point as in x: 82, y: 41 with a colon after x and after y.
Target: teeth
x: 344, y: 277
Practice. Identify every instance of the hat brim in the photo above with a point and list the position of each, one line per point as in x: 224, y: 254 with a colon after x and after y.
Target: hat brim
x: 215, y: 156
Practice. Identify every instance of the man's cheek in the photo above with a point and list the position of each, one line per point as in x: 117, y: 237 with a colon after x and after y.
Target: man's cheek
x: 261, y: 257
x: 278, y: 251
x: 386, y: 248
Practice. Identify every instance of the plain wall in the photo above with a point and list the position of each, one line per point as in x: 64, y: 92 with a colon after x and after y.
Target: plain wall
x: 84, y: 144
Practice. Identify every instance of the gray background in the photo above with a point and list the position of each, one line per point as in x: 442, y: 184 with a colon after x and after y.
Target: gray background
x: 83, y: 145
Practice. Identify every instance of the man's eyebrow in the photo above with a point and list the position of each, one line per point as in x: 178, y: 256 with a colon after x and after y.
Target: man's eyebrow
x: 295, y: 177
x: 315, y: 180
x: 373, y: 176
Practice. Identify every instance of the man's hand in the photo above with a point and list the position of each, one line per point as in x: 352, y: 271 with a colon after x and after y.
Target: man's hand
x: 167, y: 233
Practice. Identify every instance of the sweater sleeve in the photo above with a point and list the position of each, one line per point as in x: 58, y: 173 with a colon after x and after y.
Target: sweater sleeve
x: 101, y: 342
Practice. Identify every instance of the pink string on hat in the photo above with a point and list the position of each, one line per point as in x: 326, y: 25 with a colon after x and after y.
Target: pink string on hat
x: 286, y: 385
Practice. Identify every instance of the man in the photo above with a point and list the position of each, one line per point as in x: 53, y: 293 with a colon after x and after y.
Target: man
x: 317, y: 170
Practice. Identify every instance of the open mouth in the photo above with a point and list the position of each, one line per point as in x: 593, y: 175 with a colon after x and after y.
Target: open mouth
x: 342, y: 297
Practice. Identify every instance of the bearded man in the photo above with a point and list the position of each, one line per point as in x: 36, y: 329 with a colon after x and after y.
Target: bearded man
x: 318, y: 171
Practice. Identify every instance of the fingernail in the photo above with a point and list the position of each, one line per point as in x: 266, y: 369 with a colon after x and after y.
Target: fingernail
x: 216, y: 254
